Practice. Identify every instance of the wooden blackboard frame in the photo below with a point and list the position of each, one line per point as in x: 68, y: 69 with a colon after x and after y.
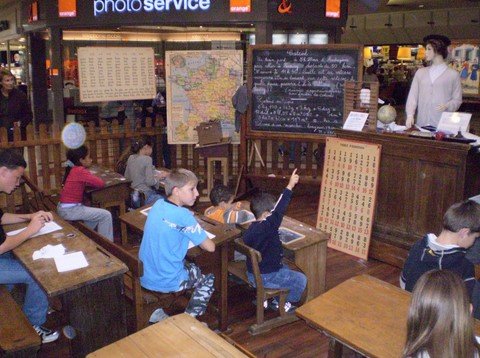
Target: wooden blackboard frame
x: 251, y: 133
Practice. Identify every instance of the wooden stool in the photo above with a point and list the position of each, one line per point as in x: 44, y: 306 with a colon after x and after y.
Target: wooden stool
x: 211, y: 171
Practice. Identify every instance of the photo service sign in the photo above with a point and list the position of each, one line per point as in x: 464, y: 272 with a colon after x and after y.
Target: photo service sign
x: 116, y: 73
x: 348, y: 193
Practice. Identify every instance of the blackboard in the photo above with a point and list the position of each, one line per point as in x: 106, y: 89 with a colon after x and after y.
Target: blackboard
x: 299, y: 89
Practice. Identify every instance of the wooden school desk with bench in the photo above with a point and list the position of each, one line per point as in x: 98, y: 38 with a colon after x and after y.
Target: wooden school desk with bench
x: 363, y: 313
x: 92, y: 296
x: 310, y: 253
x: 218, y: 260
x: 114, y: 194
x: 177, y: 336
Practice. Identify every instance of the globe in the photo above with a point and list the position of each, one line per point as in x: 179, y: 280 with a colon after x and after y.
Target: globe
x: 386, y: 115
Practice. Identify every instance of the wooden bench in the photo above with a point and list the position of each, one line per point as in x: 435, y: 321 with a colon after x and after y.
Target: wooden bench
x: 144, y: 302
x: 17, y: 336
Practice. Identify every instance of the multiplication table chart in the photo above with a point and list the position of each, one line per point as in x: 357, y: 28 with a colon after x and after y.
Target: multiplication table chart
x: 347, y: 196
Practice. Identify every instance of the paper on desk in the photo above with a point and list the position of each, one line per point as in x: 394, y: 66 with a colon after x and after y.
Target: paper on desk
x: 49, y: 252
x: 419, y: 128
x: 209, y: 235
x: 49, y: 227
x: 392, y: 126
x: 355, y: 121
x: 472, y: 136
x: 71, y: 261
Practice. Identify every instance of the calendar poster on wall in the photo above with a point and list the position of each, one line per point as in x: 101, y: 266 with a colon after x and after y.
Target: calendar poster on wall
x: 348, y: 193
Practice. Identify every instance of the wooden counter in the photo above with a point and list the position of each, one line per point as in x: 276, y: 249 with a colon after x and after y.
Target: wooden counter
x: 418, y: 180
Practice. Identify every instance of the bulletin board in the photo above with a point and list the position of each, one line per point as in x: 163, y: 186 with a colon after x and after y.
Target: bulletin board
x: 348, y: 194
x: 116, y: 73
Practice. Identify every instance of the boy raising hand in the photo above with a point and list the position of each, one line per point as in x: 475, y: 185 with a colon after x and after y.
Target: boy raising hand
x: 262, y: 235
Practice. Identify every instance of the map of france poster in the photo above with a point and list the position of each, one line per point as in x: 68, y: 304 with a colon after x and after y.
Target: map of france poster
x: 200, y: 86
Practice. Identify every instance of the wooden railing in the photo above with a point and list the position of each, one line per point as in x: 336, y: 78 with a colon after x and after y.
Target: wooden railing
x: 45, y: 155
x: 276, y: 159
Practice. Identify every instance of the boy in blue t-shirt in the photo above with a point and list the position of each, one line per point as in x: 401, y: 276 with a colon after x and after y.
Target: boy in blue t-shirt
x: 168, y: 230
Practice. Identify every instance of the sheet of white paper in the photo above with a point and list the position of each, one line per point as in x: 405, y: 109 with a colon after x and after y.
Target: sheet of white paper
x: 393, y: 126
x: 71, y: 262
x: 49, y: 252
x: 452, y: 122
x: 145, y: 211
x: 472, y: 136
x: 49, y: 227
x: 355, y: 121
x: 421, y: 129
x: 209, y: 235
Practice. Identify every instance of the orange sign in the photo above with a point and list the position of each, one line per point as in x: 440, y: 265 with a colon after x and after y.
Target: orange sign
x: 240, y: 5
x: 67, y: 8
x: 285, y: 7
x: 33, y: 16
x: 332, y: 8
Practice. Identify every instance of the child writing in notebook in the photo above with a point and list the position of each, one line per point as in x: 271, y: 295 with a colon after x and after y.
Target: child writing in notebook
x: 12, y: 272
x: 440, y: 322
x: 224, y: 209
x: 77, y: 177
x: 140, y: 170
x: 168, y: 230
x: 262, y: 235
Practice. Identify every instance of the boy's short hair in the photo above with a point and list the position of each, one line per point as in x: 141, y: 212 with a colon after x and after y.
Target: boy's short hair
x: 11, y: 159
x: 262, y: 202
x: 179, y: 178
x: 220, y: 193
x: 463, y: 215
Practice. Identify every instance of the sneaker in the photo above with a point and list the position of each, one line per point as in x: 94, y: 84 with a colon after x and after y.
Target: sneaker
x: 46, y: 334
x: 157, y: 316
x: 288, y: 306
x: 265, y: 303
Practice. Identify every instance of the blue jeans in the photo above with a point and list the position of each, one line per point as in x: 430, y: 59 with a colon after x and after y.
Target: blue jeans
x: 12, y: 272
x: 92, y: 217
x: 284, y: 278
x: 152, y: 196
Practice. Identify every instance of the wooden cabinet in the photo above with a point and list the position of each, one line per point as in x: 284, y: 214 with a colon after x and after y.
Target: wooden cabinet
x: 418, y: 180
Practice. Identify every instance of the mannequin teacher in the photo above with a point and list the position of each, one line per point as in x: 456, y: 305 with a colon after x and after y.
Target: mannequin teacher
x: 436, y: 88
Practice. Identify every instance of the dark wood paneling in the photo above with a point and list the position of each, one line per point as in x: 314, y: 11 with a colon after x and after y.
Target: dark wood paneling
x: 418, y: 180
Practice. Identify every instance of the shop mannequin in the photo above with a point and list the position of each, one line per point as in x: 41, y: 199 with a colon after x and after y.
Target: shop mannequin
x: 436, y: 88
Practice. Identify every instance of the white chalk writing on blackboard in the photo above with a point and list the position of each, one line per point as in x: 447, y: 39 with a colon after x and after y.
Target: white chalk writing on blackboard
x: 300, y: 90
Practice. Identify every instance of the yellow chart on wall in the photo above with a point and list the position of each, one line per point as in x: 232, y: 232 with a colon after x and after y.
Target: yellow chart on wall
x: 348, y: 193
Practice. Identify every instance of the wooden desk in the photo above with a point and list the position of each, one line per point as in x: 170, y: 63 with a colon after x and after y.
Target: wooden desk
x: 310, y: 254
x: 363, y: 313
x: 92, y: 297
x: 115, y: 192
x: 223, y: 235
x: 418, y: 181
x: 215, y: 152
x: 177, y: 336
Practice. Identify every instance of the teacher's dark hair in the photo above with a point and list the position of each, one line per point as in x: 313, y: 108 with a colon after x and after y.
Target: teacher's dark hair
x: 11, y: 159
x: 439, y: 43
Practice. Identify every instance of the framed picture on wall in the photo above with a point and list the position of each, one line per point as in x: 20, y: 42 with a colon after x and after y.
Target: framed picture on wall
x: 465, y: 58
